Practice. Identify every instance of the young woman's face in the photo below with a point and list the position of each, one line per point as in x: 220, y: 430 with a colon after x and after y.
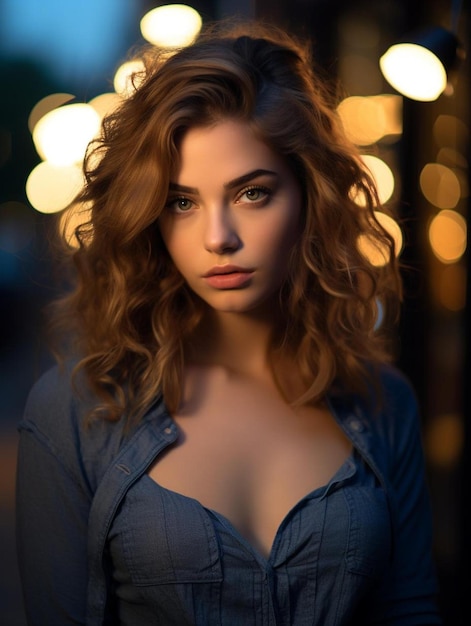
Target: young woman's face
x: 232, y: 217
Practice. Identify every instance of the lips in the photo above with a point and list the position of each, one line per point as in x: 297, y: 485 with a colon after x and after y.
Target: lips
x: 218, y: 270
x: 228, y: 277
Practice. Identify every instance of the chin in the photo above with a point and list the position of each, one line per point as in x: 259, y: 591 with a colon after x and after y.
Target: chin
x: 238, y: 303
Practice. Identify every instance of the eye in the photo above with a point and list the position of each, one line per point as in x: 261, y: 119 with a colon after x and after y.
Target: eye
x: 254, y: 194
x: 179, y: 205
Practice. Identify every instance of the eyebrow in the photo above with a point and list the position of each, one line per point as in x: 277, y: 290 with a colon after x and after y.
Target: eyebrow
x: 236, y: 182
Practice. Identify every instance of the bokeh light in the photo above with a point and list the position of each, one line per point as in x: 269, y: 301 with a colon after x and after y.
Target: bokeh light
x: 414, y: 71
x: 62, y: 135
x: 363, y: 119
x: 376, y: 253
x: 51, y: 188
x: 105, y: 103
x: 171, y: 25
x: 45, y: 105
x: 369, y: 119
x: 440, y: 185
x: 392, y: 106
x: 447, y: 236
x: 128, y: 77
x: 382, y: 175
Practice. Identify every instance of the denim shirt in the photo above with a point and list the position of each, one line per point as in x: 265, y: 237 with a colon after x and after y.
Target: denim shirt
x: 99, y: 542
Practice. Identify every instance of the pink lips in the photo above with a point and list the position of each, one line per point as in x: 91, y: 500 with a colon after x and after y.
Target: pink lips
x: 228, y: 276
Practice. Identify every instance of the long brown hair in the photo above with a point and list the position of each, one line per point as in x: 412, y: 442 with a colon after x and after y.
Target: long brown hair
x: 130, y: 312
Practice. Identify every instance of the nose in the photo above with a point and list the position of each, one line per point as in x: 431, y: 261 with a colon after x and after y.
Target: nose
x: 221, y: 234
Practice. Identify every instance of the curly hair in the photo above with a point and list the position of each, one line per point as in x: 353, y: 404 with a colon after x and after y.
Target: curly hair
x: 130, y: 312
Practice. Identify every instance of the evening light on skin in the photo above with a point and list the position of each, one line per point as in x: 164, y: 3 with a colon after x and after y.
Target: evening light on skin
x: 232, y: 216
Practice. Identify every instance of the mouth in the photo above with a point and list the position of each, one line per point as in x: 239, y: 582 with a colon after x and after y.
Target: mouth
x: 221, y: 270
x: 228, y: 277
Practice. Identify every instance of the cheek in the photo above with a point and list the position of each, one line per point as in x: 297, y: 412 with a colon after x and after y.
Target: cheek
x: 274, y: 248
x: 179, y: 258
x: 285, y: 235
x: 175, y: 243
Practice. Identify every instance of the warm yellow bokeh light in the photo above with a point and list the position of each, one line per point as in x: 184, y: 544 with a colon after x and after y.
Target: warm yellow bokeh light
x: 414, y: 71
x: 377, y: 254
x: 447, y: 236
x: 51, y: 188
x: 382, y: 175
x: 128, y: 77
x: 392, y: 105
x: 171, y: 25
x: 62, y: 135
x: 440, y: 185
x: 45, y: 105
x: 105, y: 103
x: 363, y: 119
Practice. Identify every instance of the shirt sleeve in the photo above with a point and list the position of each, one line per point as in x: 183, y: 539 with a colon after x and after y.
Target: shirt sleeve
x: 408, y: 595
x: 51, y: 517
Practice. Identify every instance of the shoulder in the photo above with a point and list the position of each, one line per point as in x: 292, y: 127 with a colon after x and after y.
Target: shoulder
x: 395, y: 423
x: 55, y: 416
x: 385, y: 418
x: 396, y: 385
x: 53, y: 404
x: 399, y: 409
x: 388, y: 400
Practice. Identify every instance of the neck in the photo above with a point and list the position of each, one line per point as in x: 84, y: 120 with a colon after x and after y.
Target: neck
x: 238, y: 342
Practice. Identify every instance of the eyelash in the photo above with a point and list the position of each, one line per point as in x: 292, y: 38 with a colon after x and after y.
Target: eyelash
x: 172, y: 202
x: 265, y: 191
x: 261, y: 188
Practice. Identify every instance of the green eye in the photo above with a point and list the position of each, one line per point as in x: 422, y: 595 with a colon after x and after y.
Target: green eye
x: 254, y: 194
x: 183, y: 204
x: 179, y: 205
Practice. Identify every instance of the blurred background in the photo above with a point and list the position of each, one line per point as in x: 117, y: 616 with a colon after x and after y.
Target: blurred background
x: 55, y: 53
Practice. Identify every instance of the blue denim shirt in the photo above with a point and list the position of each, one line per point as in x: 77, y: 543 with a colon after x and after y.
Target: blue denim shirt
x: 100, y: 543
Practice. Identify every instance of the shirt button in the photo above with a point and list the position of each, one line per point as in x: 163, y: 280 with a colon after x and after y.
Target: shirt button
x: 356, y: 425
x: 124, y: 468
x: 168, y: 430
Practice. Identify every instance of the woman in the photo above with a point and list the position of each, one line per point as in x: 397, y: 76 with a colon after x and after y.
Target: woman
x: 227, y: 445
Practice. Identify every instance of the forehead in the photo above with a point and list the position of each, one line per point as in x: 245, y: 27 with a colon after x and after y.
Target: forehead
x: 225, y: 150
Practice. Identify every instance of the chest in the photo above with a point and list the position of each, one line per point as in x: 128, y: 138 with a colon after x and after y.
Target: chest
x: 247, y: 455
x: 189, y: 565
